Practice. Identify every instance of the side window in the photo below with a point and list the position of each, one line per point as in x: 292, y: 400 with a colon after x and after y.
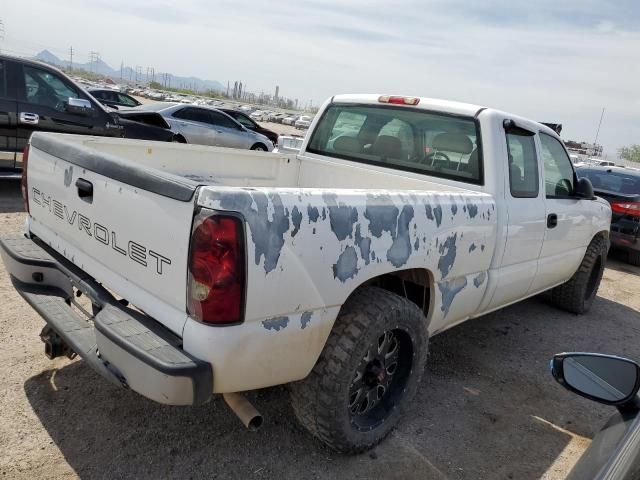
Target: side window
x: 126, y: 100
x: 245, y: 121
x: 193, y: 114
x: 523, y: 165
x: 3, y: 82
x: 558, y: 172
x: 46, y: 89
x: 219, y: 119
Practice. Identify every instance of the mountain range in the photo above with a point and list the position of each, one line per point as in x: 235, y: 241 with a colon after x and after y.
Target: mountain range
x: 129, y: 74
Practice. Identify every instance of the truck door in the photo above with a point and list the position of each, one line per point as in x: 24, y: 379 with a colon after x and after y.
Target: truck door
x: 229, y: 132
x: 8, y: 112
x: 568, y: 229
x: 194, y: 124
x: 524, y: 200
x: 42, y: 99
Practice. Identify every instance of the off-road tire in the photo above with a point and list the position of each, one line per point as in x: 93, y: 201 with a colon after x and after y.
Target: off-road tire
x: 578, y: 293
x: 321, y: 401
x: 633, y: 257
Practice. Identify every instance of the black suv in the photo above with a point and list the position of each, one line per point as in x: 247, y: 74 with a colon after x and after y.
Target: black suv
x: 37, y: 97
x: 248, y: 122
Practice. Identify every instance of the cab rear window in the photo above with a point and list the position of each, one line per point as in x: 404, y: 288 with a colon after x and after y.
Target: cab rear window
x: 432, y: 143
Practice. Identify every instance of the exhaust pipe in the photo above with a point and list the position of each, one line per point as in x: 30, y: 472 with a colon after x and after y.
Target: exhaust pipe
x: 246, y: 412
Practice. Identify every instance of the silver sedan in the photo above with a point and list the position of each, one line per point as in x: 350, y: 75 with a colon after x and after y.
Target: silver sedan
x: 207, y: 126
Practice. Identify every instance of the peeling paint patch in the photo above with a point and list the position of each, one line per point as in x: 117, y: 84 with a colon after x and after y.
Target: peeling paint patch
x: 276, y: 323
x: 267, y: 235
x: 305, y: 319
x: 447, y: 254
x: 364, y: 244
x: 68, y: 176
x: 434, y: 213
x: 313, y: 213
x: 479, y: 279
x: 454, y: 208
x: 400, y: 249
x: 341, y: 216
x: 382, y: 215
x: 347, y: 265
x: 472, y: 247
x: 449, y: 290
x: 416, y: 244
x: 296, y: 218
x: 324, y: 213
x: 482, y: 248
x: 473, y: 210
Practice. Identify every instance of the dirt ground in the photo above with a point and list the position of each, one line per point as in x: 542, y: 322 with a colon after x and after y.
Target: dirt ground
x: 488, y: 407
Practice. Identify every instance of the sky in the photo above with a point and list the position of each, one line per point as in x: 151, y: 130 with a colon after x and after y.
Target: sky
x: 559, y: 61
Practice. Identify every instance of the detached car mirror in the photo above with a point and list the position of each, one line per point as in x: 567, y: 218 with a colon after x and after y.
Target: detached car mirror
x: 79, y: 106
x: 604, y: 378
x: 584, y: 188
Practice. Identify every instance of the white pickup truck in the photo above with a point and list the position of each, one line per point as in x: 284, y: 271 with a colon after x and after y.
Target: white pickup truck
x: 220, y: 271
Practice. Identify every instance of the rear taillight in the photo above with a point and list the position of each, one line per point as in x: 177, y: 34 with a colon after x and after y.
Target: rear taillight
x: 216, y: 269
x: 23, y: 181
x: 626, y: 208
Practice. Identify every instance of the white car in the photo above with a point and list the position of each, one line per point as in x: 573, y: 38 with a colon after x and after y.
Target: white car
x: 327, y: 268
x: 303, y: 122
x: 258, y: 116
x: 290, y: 120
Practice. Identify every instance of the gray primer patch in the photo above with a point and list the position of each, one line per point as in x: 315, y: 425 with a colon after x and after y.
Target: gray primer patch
x: 472, y: 247
x: 482, y: 248
x: 479, y: 279
x: 296, y: 218
x: 324, y: 213
x: 267, y: 235
x: 446, y: 259
x: 341, y: 216
x: 454, y: 208
x: 449, y: 290
x: 276, y: 323
x: 434, y: 212
x: 416, y: 244
x: 305, y: 319
x: 400, y: 249
x: 382, y: 215
x: 473, y: 209
x: 313, y: 213
x: 68, y: 176
x: 364, y: 244
x: 347, y: 265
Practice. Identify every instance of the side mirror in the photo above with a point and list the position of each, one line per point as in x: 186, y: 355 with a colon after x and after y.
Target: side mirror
x: 79, y: 106
x: 603, y: 378
x: 584, y: 188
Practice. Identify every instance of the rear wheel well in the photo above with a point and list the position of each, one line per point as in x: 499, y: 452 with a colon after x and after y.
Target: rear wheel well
x: 179, y: 138
x: 414, y: 284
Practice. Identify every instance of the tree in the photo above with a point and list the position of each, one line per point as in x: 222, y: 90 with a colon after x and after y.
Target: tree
x: 631, y: 153
x: 155, y: 85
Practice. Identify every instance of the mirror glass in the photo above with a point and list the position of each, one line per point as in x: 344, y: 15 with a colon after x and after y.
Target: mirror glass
x: 606, y: 378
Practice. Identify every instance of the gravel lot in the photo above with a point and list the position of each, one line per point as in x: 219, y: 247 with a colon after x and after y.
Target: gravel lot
x: 488, y: 407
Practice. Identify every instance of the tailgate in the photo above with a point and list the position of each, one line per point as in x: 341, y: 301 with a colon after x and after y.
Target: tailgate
x: 125, y: 225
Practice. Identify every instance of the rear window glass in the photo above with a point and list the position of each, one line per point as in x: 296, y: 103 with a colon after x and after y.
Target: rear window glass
x: 617, y: 182
x: 415, y: 140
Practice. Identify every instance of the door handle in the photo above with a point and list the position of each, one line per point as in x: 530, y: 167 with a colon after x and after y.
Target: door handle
x: 552, y: 220
x: 29, y: 118
x: 85, y: 188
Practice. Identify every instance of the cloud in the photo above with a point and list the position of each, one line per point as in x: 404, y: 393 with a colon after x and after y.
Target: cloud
x: 550, y: 60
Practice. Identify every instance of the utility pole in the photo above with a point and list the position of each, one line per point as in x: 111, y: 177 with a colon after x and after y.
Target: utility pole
x: 595, y: 142
x: 1, y: 31
x: 70, y: 58
x: 121, y: 69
